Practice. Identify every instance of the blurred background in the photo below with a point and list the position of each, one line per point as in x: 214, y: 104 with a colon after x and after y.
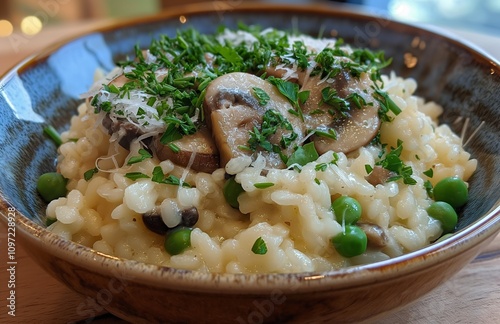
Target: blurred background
x: 28, y: 25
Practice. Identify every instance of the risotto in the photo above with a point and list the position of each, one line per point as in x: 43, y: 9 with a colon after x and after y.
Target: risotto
x: 257, y: 151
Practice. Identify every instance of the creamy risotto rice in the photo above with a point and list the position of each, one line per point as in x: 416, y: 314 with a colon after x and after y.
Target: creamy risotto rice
x: 284, y: 209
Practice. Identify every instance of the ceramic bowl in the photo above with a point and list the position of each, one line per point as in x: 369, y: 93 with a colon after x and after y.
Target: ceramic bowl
x: 46, y: 87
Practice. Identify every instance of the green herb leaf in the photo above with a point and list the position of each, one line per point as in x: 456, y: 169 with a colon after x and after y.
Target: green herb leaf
x: 303, y: 96
x: 143, y: 156
x: 368, y: 168
x: 136, y: 175
x: 151, y: 101
x: 230, y: 55
x: 331, y: 133
x: 429, y: 173
x: 291, y: 91
x: 158, y: 174
x: 90, y: 173
x: 321, y: 167
x: 272, y: 120
x: 171, y: 134
x: 330, y: 97
x: 159, y: 177
x: 335, y: 158
x: 393, y: 162
x: 259, y: 247
x: 51, y: 132
x: 261, y: 95
x: 263, y: 185
x: 303, y: 155
x: 386, y: 104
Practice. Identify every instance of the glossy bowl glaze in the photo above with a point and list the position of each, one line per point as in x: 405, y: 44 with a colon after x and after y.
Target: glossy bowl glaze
x: 46, y: 88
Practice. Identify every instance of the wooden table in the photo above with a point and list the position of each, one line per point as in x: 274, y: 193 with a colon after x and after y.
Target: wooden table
x: 471, y: 296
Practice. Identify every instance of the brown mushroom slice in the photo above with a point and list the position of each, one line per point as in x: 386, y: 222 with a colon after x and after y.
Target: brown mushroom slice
x: 375, y: 234
x: 353, y: 132
x: 231, y: 130
x: 357, y: 128
x: 232, y: 111
x: 124, y: 131
x: 201, y: 144
x: 379, y: 175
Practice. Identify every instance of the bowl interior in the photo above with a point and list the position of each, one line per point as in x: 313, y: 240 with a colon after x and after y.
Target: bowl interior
x: 45, y: 90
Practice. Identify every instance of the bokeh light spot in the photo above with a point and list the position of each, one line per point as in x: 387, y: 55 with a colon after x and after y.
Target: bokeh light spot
x: 31, y: 25
x: 6, y: 28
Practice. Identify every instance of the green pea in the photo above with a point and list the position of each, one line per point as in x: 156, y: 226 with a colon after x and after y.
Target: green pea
x: 452, y: 190
x: 51, y: 186
x: 351, y: 242
x: 444, y: 213
x: 347, y: 210
x: 231, y: 191
x: 177, y: 240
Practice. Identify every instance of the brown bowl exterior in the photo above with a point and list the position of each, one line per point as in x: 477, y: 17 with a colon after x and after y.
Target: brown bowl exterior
x: 147, y: 294
x: 462, y: 79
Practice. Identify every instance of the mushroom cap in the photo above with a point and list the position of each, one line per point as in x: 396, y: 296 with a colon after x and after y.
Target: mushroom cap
x: 357, y: 128
x: 201, y: 144
x: 232, y: 111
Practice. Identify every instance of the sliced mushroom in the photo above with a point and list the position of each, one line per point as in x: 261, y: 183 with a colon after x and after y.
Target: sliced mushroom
x: 125, y: 131
x: 375, y: 234
x: 357, y: 128
x: 201, y: 144
x: 232, y: 111
x: 378, y: 175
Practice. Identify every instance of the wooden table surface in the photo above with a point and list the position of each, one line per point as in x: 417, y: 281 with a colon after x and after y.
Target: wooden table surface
x: 471, y: 296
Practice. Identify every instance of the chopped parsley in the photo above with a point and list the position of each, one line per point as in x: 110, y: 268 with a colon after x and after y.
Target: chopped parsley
x: 429, y: 173
x: 386, y: 105
x: 261, y: 96
x: 143, y: 155
x: 157, y: 177
x: 160, y: 177
x: 263, y: 185
x: 90, y: 173
x: 303, y: 155
x: 51, y: 132
x: 272, y: 120
x: 324, y: 166
x: 393, y: 162
x: 291, y: 91
x: 330, y: 133
x: 136, y: 175
x: 259, y: 246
